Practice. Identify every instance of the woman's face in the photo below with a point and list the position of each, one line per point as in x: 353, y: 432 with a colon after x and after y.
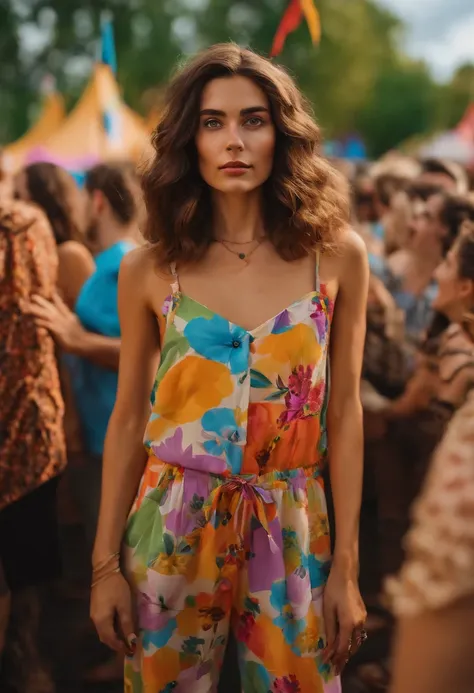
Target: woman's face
x: 235, y: 140
x: 454, y: 292
x: 427, y: 227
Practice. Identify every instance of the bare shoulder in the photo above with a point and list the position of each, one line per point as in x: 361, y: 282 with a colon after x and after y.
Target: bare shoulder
x: 139, y: 272
x: 73, y: 251
x: 353, y: 263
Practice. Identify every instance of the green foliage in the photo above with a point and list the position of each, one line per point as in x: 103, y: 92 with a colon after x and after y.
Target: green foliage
x: 357, y: 79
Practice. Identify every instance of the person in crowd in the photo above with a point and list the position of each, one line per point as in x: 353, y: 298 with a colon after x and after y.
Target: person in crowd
x: 32, y: 444
x: 409, y: 273
x: 439, y: 387
x: 446, y: 175
x: 229, y: 518
x: 56, y: 192
x: 433, y: 597
x: 92, y: 335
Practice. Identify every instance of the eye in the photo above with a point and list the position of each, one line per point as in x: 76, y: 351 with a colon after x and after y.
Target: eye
x: 254, y: 121
x: 211, y: 123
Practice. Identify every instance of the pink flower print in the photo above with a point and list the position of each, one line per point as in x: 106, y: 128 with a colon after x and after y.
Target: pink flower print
x: 323, y: 307
x: 245, y: 626
x: 286, y: 684
x: 303, y: 399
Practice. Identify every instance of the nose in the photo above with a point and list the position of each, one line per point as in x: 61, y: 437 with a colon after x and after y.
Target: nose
x: 235, y: 141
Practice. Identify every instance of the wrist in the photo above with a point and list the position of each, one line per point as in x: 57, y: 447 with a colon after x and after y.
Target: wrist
x: 346, y: 562
x: 78, y: 344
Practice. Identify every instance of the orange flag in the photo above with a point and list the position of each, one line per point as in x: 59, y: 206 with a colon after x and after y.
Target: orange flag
x: 296, y: 10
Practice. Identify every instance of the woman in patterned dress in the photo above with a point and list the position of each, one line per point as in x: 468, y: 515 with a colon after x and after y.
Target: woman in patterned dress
x: 227, y: 524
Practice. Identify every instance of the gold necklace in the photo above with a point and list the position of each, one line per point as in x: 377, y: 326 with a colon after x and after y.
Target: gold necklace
x: 242, y: 256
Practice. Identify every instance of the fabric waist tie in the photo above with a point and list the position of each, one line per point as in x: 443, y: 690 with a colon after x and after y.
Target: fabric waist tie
x: 246, y: 493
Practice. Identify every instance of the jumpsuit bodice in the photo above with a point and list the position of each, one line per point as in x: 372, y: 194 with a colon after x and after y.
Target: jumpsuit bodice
x: 232, y: 401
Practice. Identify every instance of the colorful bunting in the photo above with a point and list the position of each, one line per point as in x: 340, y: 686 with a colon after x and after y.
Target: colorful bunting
x: 291, y: 20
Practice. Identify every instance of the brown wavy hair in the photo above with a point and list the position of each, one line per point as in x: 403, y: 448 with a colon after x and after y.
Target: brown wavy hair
x: 54, y: 190
x: 306, y: 203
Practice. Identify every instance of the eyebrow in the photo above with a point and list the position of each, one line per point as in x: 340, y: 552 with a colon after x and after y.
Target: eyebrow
x: 243, y: 112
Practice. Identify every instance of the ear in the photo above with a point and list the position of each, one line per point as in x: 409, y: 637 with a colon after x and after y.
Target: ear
x: 466, y: 291
x: 98, y: 201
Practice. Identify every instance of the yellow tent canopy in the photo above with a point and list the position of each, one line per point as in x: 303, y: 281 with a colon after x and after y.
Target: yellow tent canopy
x: 100, y: 128
x: 50, y: 119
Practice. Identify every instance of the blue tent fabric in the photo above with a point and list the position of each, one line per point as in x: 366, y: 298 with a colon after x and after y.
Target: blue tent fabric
x: 109, y: 56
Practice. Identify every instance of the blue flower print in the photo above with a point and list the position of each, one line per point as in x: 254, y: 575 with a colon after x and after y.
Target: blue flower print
x: 218, y: 340
x: 160, y: 637
x: 286, y: 621
x: 226, y: 436
x: 318, y: 571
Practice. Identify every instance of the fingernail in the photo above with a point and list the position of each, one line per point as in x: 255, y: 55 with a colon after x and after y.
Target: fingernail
x: 132, y: 641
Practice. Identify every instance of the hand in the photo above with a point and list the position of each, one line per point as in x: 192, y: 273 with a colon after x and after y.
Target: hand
x: 111, y: 612
x: 56, y: 317
x: 344, y: 614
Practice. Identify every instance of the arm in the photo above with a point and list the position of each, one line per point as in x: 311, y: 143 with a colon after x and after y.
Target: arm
x: 345, y: 410
x: 434, y: 593
x: 124, y: 454
x: 69, y: 334
x: 76, y: 265
x: 105, y: 351
x: 433, y: 651
x: 343, y: 608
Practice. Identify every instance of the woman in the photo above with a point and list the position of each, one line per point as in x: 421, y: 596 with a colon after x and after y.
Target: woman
x: 229, y: 519
x: 33, y: 454
x: 56, y: 192
x: 417, y: 420
x: 434, y: 596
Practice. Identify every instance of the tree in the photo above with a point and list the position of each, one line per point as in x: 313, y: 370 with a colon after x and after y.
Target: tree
x: 357, y: 78
x: 401, y: 104
x: 454, y: 97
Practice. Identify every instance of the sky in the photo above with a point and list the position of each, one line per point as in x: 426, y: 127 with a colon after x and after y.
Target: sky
x: 439, y: 31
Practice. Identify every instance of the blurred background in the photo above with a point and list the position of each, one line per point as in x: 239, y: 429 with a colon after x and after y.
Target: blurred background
x: 392, y: 85
x: 387, y: 73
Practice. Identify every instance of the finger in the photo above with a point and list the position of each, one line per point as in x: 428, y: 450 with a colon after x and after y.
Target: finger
x: 127, y: 628
x: 60, y: 304
x: 107, y: 635
x: 37, y: 310
x: 41, y: 301
x: 46, y: 324
x: 330, y: 623
x: 344, y: 645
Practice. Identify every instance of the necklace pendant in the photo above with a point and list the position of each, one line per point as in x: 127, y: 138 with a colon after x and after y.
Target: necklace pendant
x: 242, y: 256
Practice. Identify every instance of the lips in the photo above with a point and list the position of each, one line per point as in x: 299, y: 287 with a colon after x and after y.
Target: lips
x: 235, y: 164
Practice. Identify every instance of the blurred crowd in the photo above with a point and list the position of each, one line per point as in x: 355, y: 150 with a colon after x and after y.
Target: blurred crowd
x: 60, y: 252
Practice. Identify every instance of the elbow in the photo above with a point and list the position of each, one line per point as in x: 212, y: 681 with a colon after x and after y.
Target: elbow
x: 343, y: 409
x: 127, y: 421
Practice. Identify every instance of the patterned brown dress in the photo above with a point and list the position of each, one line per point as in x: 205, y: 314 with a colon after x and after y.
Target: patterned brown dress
x: 32, y: 447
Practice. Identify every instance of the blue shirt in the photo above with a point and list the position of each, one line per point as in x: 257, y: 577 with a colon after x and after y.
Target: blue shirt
x: 94, y: 386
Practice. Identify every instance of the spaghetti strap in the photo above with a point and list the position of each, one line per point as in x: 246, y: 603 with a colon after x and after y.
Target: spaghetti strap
x: 175, y: 284
x: 318, y: 283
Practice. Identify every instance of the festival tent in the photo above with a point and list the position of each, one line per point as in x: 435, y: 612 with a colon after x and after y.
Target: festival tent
x: 50, y: 119
x: 450, y: 145
x: 466, y: 126
x: 100, y: 128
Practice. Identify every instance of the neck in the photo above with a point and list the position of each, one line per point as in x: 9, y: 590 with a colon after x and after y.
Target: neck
x: 112, y: 231
x: 425, y: 262
x: 238, y: 218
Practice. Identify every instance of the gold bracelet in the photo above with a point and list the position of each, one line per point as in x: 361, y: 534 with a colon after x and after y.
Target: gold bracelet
x: 105, y: 562
x: 105, y: 576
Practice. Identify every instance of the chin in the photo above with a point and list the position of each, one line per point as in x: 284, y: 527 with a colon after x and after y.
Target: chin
x: 236, y: 186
